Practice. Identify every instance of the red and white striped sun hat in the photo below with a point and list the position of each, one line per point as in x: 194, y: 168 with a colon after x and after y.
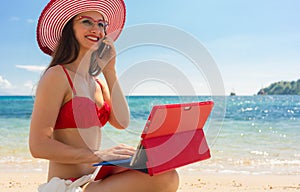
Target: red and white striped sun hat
x: 57, y: 13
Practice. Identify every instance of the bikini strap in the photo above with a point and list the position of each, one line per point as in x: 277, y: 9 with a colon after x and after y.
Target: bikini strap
x: 97, y: 80
x: 69, y: 79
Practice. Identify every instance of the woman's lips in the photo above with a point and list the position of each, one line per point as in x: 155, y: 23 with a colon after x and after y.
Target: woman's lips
x: 93, y: 38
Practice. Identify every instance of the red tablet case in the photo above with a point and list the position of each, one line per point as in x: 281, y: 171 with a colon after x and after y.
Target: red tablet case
x: 172, y: 137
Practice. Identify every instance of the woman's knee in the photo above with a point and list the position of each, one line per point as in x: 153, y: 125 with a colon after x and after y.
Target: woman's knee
x: 168, y: 181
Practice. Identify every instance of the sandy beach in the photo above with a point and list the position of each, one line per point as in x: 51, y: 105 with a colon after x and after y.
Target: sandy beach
x: 190, y: 182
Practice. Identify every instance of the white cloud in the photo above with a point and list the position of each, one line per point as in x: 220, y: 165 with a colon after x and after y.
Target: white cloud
x: 30, y: 20
x: 17, y: 19
x: 4, y: 83
x: 33, y: 68
x: 14, y: 18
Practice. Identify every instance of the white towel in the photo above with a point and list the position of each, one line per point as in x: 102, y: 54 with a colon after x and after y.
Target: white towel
x: 61, y: 185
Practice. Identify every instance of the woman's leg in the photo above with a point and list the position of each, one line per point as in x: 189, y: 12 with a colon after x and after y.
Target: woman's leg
x: 134, y: 181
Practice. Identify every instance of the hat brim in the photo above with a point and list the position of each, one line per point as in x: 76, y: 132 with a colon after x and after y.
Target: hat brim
x: 57, y: 13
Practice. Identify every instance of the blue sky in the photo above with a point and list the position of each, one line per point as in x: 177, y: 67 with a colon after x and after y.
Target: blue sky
x: 253, y: 43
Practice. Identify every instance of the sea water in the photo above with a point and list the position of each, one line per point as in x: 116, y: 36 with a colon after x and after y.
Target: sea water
x: 249, y: 134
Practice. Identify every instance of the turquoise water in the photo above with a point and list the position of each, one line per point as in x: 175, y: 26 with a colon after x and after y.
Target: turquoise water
x: 246, y: 134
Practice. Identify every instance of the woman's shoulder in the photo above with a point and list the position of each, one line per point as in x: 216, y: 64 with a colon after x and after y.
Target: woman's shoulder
x: 53, y: 73
x: 52, y: 87
x: 53, y: 76
x: 57, y: 69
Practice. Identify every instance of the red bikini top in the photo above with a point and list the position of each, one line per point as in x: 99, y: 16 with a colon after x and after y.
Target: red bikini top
x: 81, y: 112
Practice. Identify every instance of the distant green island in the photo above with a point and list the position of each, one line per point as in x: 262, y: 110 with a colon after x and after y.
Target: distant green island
x: 281, y: 88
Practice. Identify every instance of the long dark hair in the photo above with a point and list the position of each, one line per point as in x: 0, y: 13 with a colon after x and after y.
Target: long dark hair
x: 67, y: 50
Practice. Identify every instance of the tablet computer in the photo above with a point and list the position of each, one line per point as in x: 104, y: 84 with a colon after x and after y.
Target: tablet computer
x: 172, y: 137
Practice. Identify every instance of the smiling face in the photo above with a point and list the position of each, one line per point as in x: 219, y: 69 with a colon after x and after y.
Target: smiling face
x: 89, y: 28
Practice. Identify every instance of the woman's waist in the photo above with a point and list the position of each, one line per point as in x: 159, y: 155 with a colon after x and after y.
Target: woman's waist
x: 79, y: 138
x: 69, y: 171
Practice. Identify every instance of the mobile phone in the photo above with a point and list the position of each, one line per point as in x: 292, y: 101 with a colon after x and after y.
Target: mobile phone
x: 102, y: 48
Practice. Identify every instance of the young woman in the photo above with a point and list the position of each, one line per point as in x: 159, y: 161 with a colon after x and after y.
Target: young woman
x: 72, y: 104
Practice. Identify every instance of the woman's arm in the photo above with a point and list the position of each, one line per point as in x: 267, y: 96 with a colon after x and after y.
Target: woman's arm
x: 113, y: 94
x: 120, y: 116
x: 50, y: 95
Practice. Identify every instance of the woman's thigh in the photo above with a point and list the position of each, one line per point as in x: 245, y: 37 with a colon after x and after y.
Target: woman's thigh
x: 134, y: 181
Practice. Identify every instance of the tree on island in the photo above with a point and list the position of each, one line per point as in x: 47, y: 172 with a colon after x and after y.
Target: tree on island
x: 282, y: 88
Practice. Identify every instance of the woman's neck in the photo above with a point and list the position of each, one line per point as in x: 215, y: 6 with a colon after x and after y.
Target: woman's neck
x: 82, y: 64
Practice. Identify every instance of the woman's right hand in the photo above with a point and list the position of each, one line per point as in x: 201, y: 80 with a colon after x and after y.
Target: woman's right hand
x: 121, y: 151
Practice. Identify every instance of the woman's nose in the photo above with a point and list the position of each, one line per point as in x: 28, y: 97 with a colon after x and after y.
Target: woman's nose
x: 97, y: 30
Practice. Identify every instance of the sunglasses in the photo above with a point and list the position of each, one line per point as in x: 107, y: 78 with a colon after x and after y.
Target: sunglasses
x: 89, y: 22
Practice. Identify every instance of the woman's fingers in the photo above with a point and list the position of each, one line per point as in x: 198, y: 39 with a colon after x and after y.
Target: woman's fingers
x: 124, y: 146
x: 121, y: 151
x: 124, y: 150
x: 106, y: 57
